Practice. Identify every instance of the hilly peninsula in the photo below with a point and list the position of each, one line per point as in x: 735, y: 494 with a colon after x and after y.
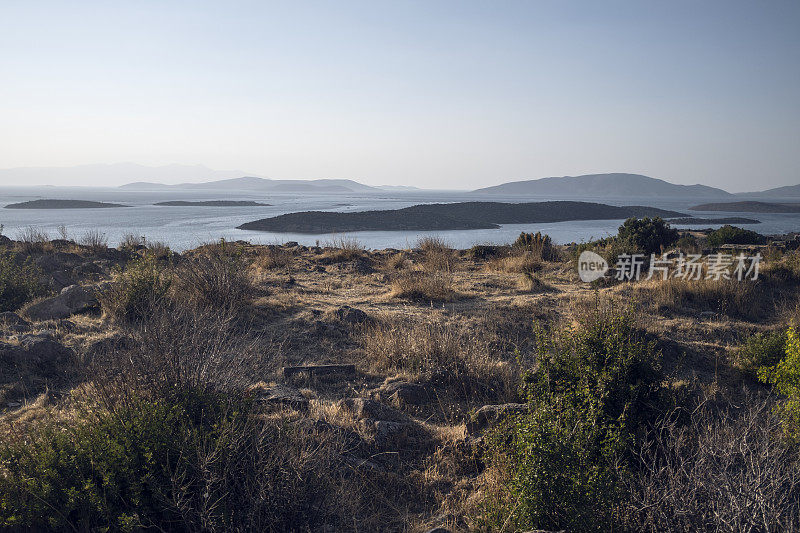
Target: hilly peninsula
x: 62, y: 204
x: 211, y: 203
x: 748, y: 207
x: 455, y: 216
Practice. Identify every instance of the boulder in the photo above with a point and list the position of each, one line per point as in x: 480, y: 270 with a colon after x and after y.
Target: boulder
x: 351, y: 315
x: 401, y: 393
x: 72, y: 299
x: 41, y: 348
x: 284, y: 395
x: 14, y: 322
x: 490, y: 414
x: 58, y: 261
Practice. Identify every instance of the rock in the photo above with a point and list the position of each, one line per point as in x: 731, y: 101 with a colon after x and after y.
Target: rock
x: 5, y: 240
x: 90, y: 268
x: 284, y: 395
x: 490, y: 414
x: 351, y: 315
x: 58, y: 261
x: 10, y: 353
x: 14, y: 322
x: 438, y: 530
x: 72, y: 299
x: 363, y: 408
x: 401, y: 393
x: 60, y: 279
x: 392, y: 434
x: 291, y: 244
x: 41, y: 348
x: 319, y: 370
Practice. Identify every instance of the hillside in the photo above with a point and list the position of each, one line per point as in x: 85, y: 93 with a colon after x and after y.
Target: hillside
x: 62, y: 204
x: 616, y: 185
x: 788, y: 191
x: 748, y: 207
x: 464, y: 215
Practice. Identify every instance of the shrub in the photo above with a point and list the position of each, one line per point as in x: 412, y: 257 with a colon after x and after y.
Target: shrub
x: 341, y: 249
x: 142, y: 286
x: 272, y: 257
x: 649, y: 235
x: 524, y: 262
x: 215, y: 279
x: 785, y: 377
x: 732, y: 235
x: 761, y: 350
x: 95, y: 240
x: 714, y: 469
x: 437, y: 255
x: 18, y: 283
x: 484, y: 251
x: 541, y: 245
x: 199, y: 462
x: 132, y: 243
x: 32, y: 239
x: 559, y: 465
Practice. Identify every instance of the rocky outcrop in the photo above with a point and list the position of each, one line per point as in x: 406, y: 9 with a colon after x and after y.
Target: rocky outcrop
x: 39, y: 349
x: 71, y: 300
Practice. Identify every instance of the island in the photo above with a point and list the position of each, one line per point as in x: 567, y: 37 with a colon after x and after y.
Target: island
x: 748, y: 207
x: 725, y: 220
x: 62, y: 204
x: 455, y: 216
x: 212, y: 203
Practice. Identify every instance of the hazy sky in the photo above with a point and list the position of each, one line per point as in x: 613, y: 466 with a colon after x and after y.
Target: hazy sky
x: 429, y: 93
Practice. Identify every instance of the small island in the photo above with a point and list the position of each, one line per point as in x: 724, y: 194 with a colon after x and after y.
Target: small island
x: 725, y: 220
x: 212, y: 203
x: 748, y: 207
x: 63, y: 204
x: 455, y: 216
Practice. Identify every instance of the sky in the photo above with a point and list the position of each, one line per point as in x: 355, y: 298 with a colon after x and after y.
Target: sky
x: 433, y: 94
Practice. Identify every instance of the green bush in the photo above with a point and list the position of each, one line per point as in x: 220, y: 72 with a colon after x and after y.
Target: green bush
x: 198, y: 462
x: 649, y: 235
x: 732, y: 235
x: 785, y: 377
x: 143, y: 284
x: 594, y: 389
x: 18, y: 283
x: 537, y: 243
x: 761, y: 350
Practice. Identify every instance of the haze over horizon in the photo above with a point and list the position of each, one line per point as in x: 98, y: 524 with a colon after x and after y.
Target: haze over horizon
x: 456, y: 95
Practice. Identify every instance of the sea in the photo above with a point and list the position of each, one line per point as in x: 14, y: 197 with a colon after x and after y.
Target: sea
x: 187, y: 227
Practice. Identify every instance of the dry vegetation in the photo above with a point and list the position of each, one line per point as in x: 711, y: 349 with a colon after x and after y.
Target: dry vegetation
x: 172, y: 390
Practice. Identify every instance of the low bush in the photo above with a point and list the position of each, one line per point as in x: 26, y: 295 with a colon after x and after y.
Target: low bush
x: 95, y: 240
x: 761, y: 350
x: 541, y: 246
x: 733, y: 235
x: 648, y: 235
x: 521, y: 262
x: 785, y: 377
x: 558, y: 467
x: 198, y: 462
x: 140, y: 288
x: 19, y: 283
x: 437, y: 255
x: 216, y: 279
x: 341, y: 249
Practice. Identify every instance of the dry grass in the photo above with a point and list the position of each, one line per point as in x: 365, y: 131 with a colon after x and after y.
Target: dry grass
x: 437, y: 255
x: 424, y: 286
x: 525, y: 261
x: 341, y: 249
x: 744, y: 299
x: 94, y: 240
x: 274, y: 258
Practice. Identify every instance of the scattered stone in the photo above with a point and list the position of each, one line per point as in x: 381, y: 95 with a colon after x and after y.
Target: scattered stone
x: 490, y: 414
x: 284, y: 395
x: 319, y: 370
x: 363, y: 408
x: 351, y: 315
x: 72, y: 299
x: 13, y: 405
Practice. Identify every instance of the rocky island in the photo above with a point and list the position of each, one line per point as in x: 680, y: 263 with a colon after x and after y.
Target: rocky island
x: 455, y: 216
x: 211, y: 203
x: 62, y: 204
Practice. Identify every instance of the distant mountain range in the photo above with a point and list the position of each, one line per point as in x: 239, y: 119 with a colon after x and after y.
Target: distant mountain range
x: 251, y: 183
x: 197, y: 177
x: 604, y: 186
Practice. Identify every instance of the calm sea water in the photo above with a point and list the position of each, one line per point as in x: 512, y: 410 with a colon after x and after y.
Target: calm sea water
x: 186, y: 227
